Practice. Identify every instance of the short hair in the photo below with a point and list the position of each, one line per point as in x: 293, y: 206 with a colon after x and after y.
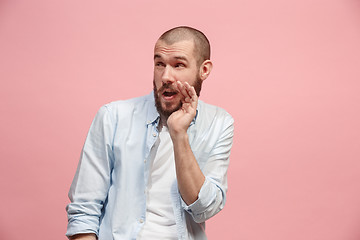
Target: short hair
x: 201, y: 43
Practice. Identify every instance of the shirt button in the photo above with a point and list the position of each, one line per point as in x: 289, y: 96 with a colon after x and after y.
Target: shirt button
x: 144, y: 160
x: 154, y: 134
x: 141, y: 220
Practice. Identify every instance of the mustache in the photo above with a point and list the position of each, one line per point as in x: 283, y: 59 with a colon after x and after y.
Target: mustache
x: 168, y: 86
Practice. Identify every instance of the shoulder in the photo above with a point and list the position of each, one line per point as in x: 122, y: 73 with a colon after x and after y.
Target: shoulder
x: 128, y: 106
x: 212, y: 114
x: 126, y: 109
x: 129, y: 103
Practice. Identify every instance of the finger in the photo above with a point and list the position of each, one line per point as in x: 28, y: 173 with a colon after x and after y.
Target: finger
x: 179, y: 87
x: 191, y: 91
x: 193, y: 96
x: 183, y: 91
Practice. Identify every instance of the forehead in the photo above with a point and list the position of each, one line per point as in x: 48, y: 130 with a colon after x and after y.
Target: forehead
x: 178, y: 49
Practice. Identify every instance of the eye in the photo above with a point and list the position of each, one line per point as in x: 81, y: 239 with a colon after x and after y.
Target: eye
x: 159, y: 64
x: 178, y: 65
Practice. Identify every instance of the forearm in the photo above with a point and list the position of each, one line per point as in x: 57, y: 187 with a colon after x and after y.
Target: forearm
x: 189, y: 176
x: 85, y: 236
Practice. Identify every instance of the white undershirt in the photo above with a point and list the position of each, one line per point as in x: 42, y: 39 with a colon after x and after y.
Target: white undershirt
x: 160, y: 220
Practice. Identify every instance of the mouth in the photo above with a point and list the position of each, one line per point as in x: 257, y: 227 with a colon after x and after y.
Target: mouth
x: 169, y: 94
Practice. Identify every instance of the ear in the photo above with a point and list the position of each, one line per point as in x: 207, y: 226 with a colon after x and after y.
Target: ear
x: 205, y: 69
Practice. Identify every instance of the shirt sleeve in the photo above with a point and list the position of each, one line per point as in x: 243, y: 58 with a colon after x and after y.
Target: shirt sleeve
x: 212, y: 195
x: 90, y: 185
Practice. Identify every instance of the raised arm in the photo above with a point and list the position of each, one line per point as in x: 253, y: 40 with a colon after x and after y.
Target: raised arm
x: 188, y: 173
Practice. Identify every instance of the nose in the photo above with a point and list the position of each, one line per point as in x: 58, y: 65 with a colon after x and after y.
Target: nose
x: 167, y: 76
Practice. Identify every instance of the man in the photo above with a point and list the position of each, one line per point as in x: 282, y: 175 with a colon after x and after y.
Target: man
x: 155, y: 167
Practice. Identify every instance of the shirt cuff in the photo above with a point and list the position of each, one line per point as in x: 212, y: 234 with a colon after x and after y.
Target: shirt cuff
x: 205, y: 201
x: 82, y: 224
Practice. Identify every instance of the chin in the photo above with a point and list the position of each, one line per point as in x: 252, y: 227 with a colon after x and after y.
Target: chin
x: 170, y: 108
x: 166, y: 109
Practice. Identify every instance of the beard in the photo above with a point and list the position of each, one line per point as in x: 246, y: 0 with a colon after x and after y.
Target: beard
x: 166, y: 86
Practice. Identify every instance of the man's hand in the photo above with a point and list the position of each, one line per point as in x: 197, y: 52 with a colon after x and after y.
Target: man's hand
x: 179, y: 121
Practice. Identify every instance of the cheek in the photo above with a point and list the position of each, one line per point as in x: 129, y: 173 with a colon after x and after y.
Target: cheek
x: 157, y: 81
x: 190, y: 78
x: 158, y: 84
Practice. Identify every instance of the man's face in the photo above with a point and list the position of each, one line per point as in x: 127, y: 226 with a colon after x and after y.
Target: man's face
x: 173, y: 63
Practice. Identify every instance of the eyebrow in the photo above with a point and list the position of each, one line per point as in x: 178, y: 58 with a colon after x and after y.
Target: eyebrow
x: 181, y: 58
x: 177, y: 57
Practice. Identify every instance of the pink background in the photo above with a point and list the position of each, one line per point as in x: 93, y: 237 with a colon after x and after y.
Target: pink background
x: 288, y: 72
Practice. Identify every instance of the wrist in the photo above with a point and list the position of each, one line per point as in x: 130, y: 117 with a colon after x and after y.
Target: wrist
x: 178, y: 136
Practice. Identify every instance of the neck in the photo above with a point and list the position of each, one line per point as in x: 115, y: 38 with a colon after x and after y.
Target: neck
x: 163, y: 121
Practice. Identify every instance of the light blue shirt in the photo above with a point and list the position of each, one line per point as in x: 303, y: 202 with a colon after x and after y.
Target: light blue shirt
x: 108, y: 193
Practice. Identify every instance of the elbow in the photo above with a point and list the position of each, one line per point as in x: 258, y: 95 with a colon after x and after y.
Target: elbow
x: 215, y: 207
x: 202, y: 217
x: 211, y: 200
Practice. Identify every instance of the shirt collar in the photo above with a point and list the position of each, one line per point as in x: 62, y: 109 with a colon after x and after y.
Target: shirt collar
x: 153, y: 115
